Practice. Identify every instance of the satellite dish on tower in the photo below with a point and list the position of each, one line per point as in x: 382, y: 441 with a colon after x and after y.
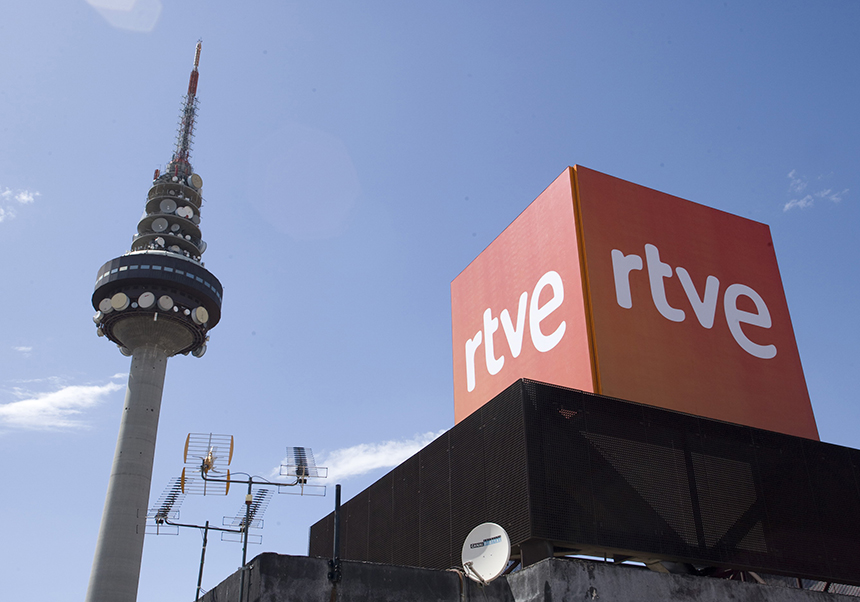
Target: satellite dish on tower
x: 146, y: 300
x: 486, y: 552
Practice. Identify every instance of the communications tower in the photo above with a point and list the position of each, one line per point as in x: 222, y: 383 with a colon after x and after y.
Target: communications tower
x: 154, y: 302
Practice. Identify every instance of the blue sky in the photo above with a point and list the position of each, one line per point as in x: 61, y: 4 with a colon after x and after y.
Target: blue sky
x: 356, y: 157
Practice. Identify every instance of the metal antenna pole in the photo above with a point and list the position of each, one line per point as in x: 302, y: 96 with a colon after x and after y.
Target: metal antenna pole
x: 248, y: 498
x: 202, y: 559
x: 337, y: 523
x: 334, y: 563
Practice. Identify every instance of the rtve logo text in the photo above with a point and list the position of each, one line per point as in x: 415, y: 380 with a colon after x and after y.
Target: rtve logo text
x: 704, y: 307
x: 514, y: 334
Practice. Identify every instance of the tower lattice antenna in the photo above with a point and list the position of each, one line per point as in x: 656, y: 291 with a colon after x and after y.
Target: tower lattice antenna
x: 180, y: 163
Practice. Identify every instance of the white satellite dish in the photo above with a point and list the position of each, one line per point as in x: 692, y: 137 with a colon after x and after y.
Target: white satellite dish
x: 119, y: 301
x: 167, y: 205
x: 165, y: 302
x: 146, y: 300
x: 200, y: 315
x: 159, y: 224
x: 486, y: 552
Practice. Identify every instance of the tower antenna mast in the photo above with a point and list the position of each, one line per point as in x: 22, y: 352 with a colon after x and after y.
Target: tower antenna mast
x: 180, y: 163
x: 153, y: 302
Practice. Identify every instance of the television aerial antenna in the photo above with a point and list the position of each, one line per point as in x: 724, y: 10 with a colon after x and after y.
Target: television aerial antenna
x: 209, y: 451
x: 300, y: 465
x: 166, y: 510
x: 163, y: 520
x: 486, y: 552
x: 252, y: 519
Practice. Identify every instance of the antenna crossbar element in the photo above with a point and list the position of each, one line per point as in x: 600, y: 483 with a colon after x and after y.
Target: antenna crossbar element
x: 248, y: 517
x: 169, y: 502
x: 209, y: 448
x: 252, y: 516
x: 300, y: 464
x: 196, y: 486
x: 207, y: 453
x: 166, y: 509
x: 254, y: 538
x: 153, y: 528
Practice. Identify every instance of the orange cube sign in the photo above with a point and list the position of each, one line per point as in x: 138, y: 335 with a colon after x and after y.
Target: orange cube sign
x: 609, y: 287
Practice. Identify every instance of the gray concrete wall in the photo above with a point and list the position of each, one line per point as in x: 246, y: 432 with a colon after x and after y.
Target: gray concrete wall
x: 276, y: 578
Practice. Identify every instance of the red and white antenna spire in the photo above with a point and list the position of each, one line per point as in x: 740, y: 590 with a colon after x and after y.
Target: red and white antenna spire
x: 180, y: 163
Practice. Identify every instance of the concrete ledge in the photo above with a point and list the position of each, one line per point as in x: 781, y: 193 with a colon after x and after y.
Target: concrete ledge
x: 554, y: 580
x: 277, y: 578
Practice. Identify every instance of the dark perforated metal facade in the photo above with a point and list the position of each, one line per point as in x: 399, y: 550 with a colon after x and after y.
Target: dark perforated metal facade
x: 597, y: 475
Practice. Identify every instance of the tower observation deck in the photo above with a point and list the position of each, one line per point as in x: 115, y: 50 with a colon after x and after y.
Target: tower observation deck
x: 153, y: 302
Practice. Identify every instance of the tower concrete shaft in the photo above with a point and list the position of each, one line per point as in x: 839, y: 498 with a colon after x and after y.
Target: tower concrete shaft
x: 116, y: 566
x: 154, y: 302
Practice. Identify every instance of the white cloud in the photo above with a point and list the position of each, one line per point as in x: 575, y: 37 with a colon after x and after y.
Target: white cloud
x: 830, y: 195
x: 57, y: 410
x: 25, y: 351
x: 25, y: 196
x: 798, y: 184
x: 361, y: 459
x: 7, y: 196
x: 802, y: 203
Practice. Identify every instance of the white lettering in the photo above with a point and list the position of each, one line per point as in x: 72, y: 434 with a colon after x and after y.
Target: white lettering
x: 471, y: 348
x: 735, y: 317
x: 515, y: 335
x: 545, y: 342
x: 657, y: 270
x: 491, y: 325
x: 706, y: 307
x: 622, y: 265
